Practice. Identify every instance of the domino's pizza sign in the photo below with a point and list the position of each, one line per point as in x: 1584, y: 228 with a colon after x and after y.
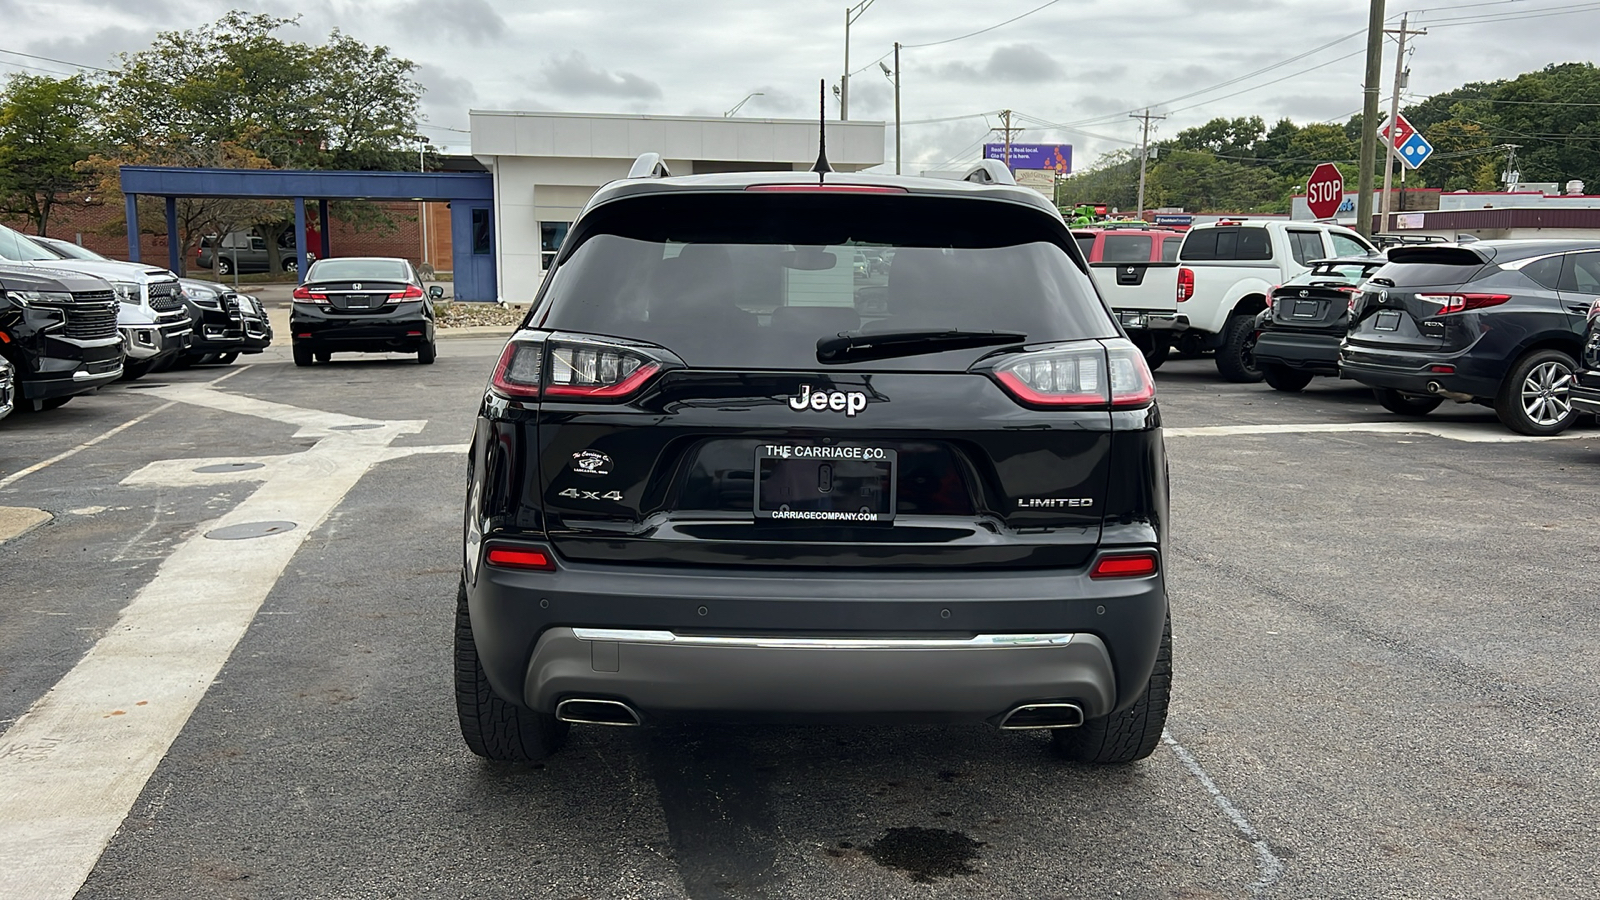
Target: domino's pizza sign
x: 1415, y: 150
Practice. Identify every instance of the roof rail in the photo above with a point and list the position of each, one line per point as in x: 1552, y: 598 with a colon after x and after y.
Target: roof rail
x: 649, y: 165
x: 989, y: 171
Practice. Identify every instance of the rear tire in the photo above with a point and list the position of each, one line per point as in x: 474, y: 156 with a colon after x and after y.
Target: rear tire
x: 427, y: 353
x: 1236, y: 358
x: 1402, y: 404
x: 1283, y: 378
x: 1155, y: 348
x: 303, y: 355
x: 224, y: 267
x: 1536, y: 397
x: 493, y: 728
x: 1132, y: 734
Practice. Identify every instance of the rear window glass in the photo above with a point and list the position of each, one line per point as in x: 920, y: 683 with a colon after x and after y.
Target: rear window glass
x: 1127, y: 248
x: 1086, y: 244
x: 1426, y: 274
x: 347, y: 269
x: 1169, y: 248
x: 1306, y: 247
x: 752, y: 282
x: 1228, y: 243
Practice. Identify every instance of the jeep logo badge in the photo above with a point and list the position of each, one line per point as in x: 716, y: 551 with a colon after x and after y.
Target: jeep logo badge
x: 847, y: 402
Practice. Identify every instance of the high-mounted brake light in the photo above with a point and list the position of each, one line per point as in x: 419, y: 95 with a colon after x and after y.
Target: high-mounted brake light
x: 303, y: 294
x: 520, y: 558
x: 1124, y: 565
x: 412, y: 292
x: 1454, y: 303
x: 825, y: 189
x: 1185, y: 284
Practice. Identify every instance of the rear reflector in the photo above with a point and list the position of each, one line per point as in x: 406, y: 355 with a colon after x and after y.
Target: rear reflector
x: 825, y: 189
x: 1124, y: 565
x: 1442, y: 370
x: 508, y: 558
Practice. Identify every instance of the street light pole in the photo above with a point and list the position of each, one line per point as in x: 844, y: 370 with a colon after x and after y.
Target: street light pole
x: 896, y: 79
x: 736, y: 106
x: 851, y: 14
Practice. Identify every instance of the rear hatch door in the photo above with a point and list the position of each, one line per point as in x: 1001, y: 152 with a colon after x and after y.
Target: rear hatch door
x: 738, y: 446
x: 1398, y: 307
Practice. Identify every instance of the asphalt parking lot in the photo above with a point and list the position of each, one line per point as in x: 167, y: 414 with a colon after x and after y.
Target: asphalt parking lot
x: 1385, y: 647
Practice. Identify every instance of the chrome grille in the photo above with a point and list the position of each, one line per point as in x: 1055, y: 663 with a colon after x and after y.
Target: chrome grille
x: 165, y: 296
x: 89, y: 297
x: 91, y: 322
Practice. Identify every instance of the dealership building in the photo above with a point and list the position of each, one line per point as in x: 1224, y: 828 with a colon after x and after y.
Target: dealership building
x: 547, y: 165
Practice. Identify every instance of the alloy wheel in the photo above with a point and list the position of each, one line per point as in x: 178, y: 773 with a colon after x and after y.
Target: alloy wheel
x: 1546, y: 393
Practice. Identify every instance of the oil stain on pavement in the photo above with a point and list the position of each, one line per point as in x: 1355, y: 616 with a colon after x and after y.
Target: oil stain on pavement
x: 925, y: 853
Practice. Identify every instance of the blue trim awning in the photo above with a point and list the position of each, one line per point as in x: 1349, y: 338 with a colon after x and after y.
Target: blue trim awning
x: 285, y: 184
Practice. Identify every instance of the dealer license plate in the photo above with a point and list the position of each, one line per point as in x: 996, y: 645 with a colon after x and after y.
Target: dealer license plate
x: 1387, y: 320
x: 825, y: 483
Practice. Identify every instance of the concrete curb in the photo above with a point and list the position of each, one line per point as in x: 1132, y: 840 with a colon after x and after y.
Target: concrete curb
x: 16, y: 521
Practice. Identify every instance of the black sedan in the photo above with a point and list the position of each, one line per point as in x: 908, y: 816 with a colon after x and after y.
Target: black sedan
x: 362, y: 305
x: 1298, y: 334
x: 1497, y: 323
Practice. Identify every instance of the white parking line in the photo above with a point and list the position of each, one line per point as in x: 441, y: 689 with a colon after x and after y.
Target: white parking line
x: 73, y: 765
x: 15, y: 476
x: 1468, y: 432
x: 1269, y: 868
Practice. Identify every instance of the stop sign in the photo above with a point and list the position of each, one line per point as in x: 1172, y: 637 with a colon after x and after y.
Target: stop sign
x: 1325, y: 191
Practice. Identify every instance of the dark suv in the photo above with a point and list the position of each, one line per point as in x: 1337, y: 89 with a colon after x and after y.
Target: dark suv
x: 1498, y: 323
x: 705, y: 485
x: 58, y: 329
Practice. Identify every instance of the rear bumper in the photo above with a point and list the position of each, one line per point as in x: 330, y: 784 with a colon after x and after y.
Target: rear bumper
x: 1586, y: 391
x: 1409, y: 370
x: 527, y: 629
x: 1317, y: 353
x: 669, y: 676
x: 406, y: 330
x: 1153, y: 320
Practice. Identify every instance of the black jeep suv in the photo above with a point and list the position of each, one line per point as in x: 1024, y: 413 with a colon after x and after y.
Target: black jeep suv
x: 704, y: 485
x: 1498, y: 323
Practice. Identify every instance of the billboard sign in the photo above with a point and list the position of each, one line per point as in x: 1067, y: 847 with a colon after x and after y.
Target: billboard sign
x: 1034, y: 156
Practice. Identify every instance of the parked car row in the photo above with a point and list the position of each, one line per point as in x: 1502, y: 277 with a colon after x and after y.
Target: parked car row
x: 72, y: 321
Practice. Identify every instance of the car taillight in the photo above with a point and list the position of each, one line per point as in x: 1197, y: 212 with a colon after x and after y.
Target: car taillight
x: 1454, y: 303
x: 303, y: 294
x: 520, y: 558
x: 1124, y: 565
x: 1185, y: 284
x: 412, y: 292
x: 1111, y: 374
x: 578, y: 370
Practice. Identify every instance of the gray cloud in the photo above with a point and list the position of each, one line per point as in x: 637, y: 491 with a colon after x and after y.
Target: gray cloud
x: 474, y: 21
x: 1013, y: 63
x: 572, y: 74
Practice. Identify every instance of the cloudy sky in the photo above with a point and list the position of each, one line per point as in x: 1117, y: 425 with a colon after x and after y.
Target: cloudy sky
x: 1080, y: 65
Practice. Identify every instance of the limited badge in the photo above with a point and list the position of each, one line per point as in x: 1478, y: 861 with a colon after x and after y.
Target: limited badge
x: 591, y: 462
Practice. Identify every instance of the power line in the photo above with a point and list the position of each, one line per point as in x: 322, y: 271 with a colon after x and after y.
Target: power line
x: 1542, y: 13
x: 54, y: 60
x: 7, y: 62
x: 1269, y: 83
x: 963, y: 37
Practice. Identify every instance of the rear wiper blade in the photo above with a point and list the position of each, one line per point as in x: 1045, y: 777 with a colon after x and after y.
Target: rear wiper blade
x: 849, y: 346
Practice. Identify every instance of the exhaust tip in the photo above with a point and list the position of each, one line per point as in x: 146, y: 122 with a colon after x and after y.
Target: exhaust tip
x: 588, y: 711
x: 1434, y: 387
x: 1034, y: 716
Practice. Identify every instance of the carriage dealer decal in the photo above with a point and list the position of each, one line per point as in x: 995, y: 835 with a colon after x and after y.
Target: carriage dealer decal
x: 847, y: 402
x: 591, y: 462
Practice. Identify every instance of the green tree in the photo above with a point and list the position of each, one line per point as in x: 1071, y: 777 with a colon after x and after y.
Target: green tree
x: 47, y: 127
x: 292, y: 105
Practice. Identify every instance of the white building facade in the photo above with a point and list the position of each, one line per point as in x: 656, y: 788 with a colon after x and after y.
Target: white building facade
x: 547, y: 165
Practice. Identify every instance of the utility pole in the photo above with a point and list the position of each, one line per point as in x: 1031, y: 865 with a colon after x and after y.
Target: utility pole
x: 1400, y: 73
x: 1144, y: 151
x: 851, y: 14
x: 898, y: 131
x: 1369, y: 118
x: 1006, y: 130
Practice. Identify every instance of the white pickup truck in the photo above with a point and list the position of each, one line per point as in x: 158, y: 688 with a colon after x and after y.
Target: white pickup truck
x: 1135, y: 267
x: 1226, y: 271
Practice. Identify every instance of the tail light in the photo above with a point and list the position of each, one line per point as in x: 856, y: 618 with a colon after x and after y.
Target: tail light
x: 1185, y: 284
x: 1086, y: 376
x: 520, y: 558
x: 412, y: 292
x: 559, y: 368
x: 303, y: 294
x: 1124, y: 565
x: 1454, y: 303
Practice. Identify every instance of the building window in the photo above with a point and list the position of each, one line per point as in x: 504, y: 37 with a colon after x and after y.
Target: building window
x: 551, y: 234
x: 481, y: 242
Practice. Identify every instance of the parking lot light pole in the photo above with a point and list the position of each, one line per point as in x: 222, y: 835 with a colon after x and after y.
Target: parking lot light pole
x: 896, y: 79
x: 851, y: 14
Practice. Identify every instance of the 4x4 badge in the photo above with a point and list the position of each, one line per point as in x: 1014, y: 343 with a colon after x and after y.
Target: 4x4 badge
x: 847, y: 402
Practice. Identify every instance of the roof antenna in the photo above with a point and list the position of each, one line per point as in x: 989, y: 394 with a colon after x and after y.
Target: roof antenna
x: 822, y: 166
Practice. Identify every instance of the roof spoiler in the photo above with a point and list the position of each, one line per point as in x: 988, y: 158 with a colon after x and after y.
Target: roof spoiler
x: 1441, y: 254
x: 649, y: 165
x: 989, y: 171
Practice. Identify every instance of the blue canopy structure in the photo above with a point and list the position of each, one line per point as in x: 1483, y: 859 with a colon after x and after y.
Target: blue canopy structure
x: 470, y: 195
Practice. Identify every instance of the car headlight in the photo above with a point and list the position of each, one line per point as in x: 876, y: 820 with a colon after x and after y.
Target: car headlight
x: 127, y: 291
x: 27, y: 297
x: 203, y: 298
